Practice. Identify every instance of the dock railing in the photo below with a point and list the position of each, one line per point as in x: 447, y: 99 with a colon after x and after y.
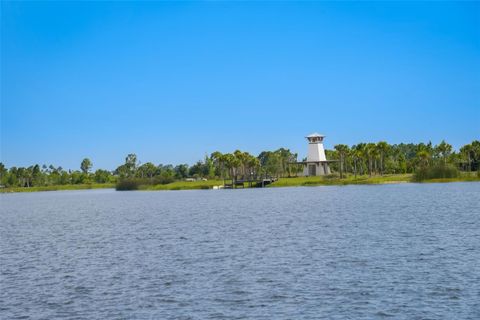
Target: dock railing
x: 258, y: 181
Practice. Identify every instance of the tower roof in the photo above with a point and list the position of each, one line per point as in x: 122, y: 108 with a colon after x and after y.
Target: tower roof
x: 314, y: 135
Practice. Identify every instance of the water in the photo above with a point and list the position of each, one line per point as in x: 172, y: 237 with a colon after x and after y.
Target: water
x: 408, y: 251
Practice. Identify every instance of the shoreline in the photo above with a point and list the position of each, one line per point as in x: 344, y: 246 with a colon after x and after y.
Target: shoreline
x: 66, y: 187
x: 282, y: 182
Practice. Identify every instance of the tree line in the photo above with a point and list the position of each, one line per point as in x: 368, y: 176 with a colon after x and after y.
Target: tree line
x: 381, y: 158
x: 216, y: 165
x: 361, y: 159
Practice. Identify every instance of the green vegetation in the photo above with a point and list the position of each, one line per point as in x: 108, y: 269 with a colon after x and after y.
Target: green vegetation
x: 184, y: 185
x: 86, y: 165
x: 59, y: 187
x: 128, y: 184
x: 45, y: 178
x: 363, y: 163
x: 439, y: 171
x: 425, y: 161
x: 329, y: 180
x: 335, y: 179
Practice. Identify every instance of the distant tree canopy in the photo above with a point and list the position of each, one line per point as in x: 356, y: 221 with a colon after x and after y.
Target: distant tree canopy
x: 86, y: 165
x: 360, y: 159
x: 381, y: 158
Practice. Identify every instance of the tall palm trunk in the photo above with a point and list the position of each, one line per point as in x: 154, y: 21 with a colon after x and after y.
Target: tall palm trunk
x: 381, y: 164
x: 341, y: 166
x: 370, y: 166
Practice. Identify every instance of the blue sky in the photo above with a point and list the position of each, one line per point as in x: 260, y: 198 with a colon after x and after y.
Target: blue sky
x: 173, y: 81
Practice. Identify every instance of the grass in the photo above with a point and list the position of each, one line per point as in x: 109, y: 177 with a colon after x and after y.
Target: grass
x: 287, y: 182
x: 59, y: 187
x: 464, y: 176
x: 334, y: 180
x: 350, y: 179
x: 184, y: 185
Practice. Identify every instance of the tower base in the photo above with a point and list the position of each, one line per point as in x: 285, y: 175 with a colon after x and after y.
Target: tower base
x: 317, y: 168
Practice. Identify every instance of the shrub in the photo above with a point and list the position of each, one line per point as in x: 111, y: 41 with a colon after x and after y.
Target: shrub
x: 436, y: 172
x: 163, y: 179
x: 331, y: 176
x: 127, y: 184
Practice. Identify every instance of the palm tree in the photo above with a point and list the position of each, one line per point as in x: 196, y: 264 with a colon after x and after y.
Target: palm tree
x: 423, y: 156
x: 361, y: 154
x: 226, y: 159
x: 466, y: 152
x: 476, y: 154
x: 342, y: 150
x: 3, y: 172
x: 398, y: 158
x: 231, y: 163
x: 242, y: 158
x: 217, y: 161
x: 292, y: 166
x: 254, y: 165
x: 445, y: 150
x: 356, y: 155
x: 371, y: 153
x: 382, y: 148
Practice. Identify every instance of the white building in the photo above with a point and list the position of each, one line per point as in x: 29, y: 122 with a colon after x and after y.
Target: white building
x: 317, y: 163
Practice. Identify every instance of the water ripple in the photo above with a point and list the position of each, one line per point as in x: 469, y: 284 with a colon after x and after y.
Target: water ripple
x: 357, y: 252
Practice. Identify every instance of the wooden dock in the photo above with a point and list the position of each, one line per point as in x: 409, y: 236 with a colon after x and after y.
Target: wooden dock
x: 251, y: 183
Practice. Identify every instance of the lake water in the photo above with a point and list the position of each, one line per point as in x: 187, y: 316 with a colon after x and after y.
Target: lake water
x: 408, y: 251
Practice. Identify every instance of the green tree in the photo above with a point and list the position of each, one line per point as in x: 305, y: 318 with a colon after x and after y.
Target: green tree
x: 102, y: 176
x: 254, y: 165
x: 287, y: 160
x: 271, y: 163
x: 181, y: 171
x: 361, y: 152
x: 208, y: 169
x: 131, y: 162
x: 242, y: 159
x: 342, y: 150
x: 476, y: 155
x: 86, y: 165
x: 423, y: 157
x: 466, y: 154
x: 218, y: 163
x: 147, y: 170
x: 77, y: 177
x: 37, y: 176
x: 231, y: 163
x: 356, y: 156
x: 471, y: 155
x: 12, y: 177
x: 3, y: 173
x: 444, y: 149
x: 383, y: 149
x: 129, y: 168
x: 371, y: 153
x: 197, y: 170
